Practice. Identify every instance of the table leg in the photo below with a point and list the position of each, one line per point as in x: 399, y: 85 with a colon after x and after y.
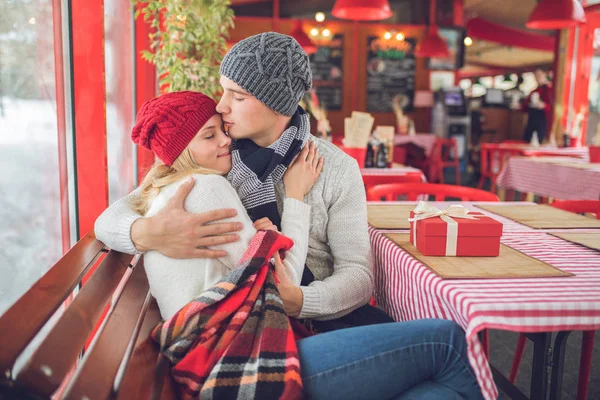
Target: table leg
x: 506, y: 386
x: 542, y: 350
x: 502, y: 194
x: 529, y: 197
x: 558, y: 363
x: 523, y: 196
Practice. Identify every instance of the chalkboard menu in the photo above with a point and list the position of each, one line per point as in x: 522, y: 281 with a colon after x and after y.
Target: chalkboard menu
x: 326, y: 65
x: 390, y: 72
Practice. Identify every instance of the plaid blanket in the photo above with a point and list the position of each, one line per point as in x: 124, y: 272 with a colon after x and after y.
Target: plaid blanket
x: 235, y: 341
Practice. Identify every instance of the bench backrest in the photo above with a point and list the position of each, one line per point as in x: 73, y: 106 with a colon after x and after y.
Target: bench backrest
x: 98, y: 344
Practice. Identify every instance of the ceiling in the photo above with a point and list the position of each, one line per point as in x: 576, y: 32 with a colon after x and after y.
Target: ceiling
x: 493, y: 54
x: 509, y: 13
x: 512, y: 13
x: 405, y: 11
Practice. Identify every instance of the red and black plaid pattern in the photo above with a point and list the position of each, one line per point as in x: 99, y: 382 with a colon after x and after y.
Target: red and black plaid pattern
x: 235, y: 341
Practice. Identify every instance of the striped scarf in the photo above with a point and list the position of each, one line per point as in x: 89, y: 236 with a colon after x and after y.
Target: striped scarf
x: 256, y: 170
x: 235, y: 341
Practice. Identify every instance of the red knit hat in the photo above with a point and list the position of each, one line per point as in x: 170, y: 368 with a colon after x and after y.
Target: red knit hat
x: 169, y: 122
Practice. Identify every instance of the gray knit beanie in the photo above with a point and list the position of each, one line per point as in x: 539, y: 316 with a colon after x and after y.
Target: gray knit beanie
x: 272, y: 67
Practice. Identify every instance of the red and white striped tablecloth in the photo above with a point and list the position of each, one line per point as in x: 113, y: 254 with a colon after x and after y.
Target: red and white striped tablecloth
x: 408, y: 290
x: 547, y: 177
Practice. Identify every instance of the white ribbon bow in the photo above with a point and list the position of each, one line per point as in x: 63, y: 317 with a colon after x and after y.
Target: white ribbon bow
x: 425, y: 210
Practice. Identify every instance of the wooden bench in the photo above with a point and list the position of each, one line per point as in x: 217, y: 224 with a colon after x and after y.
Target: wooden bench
x: 52, y: 330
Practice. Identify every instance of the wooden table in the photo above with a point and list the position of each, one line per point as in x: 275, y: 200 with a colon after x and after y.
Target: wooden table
x: 409, y: 290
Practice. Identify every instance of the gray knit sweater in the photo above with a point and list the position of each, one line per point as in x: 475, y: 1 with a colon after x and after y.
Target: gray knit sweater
x: 339, y: 250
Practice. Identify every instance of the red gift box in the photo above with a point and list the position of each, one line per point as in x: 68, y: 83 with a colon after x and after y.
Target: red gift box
x: 594, y: 154
x: 478, y: 237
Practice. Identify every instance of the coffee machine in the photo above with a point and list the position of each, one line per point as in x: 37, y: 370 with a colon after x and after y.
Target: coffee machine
x: 451, y: 119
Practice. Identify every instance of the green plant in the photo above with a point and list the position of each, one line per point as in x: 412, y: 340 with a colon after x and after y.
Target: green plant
x: 188, y: 41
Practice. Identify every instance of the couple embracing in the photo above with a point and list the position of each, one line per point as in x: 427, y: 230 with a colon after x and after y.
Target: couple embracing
x: 250, y: 312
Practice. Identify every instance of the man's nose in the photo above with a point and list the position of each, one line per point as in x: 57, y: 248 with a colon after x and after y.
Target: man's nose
x: 222, y: 107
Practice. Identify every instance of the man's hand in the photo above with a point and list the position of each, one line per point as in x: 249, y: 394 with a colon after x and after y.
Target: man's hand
x: 177, y: 233
x: 291, y: 295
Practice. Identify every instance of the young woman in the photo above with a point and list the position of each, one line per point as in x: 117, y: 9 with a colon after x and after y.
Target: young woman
x: 186, y: 134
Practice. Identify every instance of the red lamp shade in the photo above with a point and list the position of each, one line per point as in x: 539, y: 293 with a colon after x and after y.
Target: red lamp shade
x: 556, y: 14
x: 362, y: 10
x: 303, y: 39
x: 432, y: 45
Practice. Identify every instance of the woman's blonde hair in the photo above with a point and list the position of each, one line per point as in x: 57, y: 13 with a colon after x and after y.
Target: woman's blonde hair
x: 161, y: 175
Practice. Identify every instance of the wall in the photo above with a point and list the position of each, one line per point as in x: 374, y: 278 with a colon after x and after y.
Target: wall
x: 506, y: 124
x: 354, y: 73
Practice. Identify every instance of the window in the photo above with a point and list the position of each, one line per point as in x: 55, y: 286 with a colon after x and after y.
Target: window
x: 119, y: 56
x: 30, y: 203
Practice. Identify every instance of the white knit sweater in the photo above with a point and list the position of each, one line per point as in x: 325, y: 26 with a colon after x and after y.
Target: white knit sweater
x: 175, y: 282
x: 339, y: 250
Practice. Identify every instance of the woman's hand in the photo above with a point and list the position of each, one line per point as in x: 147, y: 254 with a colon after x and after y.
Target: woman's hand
x: 264, y: 224
x: 291, y: 295
x: 303, y: 172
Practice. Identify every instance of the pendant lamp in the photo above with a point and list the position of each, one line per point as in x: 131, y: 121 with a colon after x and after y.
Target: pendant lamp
x: 362, y: 10
x: 303, y: 39
x: 556, y: 14
x: 432, y: 45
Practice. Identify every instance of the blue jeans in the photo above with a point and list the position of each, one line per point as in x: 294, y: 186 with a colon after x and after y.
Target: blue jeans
x: 424, y: 359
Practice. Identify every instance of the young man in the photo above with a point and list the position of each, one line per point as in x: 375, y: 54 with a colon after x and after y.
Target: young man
x: 264, y: 78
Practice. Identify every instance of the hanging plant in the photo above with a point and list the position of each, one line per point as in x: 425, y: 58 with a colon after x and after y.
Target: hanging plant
x: 188, y: 41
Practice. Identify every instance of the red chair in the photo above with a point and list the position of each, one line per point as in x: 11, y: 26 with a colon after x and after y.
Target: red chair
x: 413, y: 190
x: 492, y: 160
x: 579, y: 206
x: 514, y: 142
x: 440, y: 159
x: 373, y: 180
x: 587, y: 342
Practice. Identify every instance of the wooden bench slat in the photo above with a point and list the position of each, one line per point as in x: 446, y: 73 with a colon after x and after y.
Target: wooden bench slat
x: 28, y: 315
x: 95, y: 378
x: 164, y: 386
x: 142, y: 377
x: 50, y: 363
